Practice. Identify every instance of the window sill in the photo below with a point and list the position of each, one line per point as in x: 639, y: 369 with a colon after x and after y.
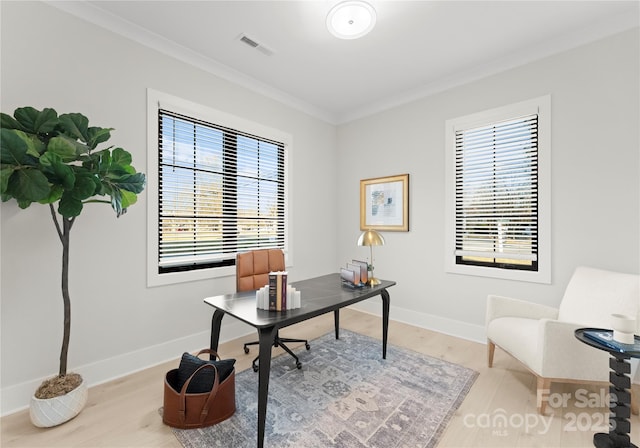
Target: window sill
x: 504, y: 274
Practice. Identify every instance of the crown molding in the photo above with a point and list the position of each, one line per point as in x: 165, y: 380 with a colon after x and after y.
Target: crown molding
x: 115, y: 24
x: 572, y: 39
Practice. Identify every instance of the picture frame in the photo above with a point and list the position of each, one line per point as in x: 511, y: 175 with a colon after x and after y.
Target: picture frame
x: 384, y: 203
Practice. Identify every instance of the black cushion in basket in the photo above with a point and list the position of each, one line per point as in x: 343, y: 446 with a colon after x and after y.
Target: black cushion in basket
x: 203, y: 381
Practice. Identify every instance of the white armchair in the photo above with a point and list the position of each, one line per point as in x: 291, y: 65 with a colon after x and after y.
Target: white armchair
x: 542, y: 338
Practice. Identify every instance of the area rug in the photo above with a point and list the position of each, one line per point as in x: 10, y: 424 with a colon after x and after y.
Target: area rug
x: 344, y: 396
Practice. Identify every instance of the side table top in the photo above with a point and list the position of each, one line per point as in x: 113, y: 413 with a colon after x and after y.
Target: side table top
x: 602, y: 339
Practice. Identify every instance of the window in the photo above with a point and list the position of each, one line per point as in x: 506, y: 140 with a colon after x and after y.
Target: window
x: 497, y: 193
x: 220, y: 187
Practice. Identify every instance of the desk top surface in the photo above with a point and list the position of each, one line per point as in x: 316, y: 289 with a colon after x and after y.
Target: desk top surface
x: 319, y: 295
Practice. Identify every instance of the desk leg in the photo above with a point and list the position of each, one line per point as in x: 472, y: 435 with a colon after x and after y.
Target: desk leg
x: 619, y: 405
x: 386, y: 300
x: 336, y: 319
x: 216, y: 321
x: 266, y: 337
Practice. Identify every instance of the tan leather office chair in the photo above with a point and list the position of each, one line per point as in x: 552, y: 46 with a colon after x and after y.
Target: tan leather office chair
x: 252, y: 272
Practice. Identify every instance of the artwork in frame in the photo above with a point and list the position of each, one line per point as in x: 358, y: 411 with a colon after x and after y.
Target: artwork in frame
x: 384, y: 203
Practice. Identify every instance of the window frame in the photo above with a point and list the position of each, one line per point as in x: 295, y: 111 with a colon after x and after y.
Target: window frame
x: 158, y: 100
x: 542, y: 107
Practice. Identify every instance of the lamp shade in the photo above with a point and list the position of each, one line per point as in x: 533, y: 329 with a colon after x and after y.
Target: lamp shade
x: 370, y: 238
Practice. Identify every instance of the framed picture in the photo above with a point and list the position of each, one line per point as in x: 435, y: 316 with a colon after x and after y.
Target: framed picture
x: 384, y: 203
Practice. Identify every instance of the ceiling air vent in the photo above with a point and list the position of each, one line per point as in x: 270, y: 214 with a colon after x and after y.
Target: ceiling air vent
x: 255, y: 44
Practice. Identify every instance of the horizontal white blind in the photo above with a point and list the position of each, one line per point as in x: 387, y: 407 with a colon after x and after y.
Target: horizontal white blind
x: 497, y: 192
x: 221, y: 192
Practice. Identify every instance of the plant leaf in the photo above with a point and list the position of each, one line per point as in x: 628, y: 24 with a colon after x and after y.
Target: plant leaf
x: 54, y: 195
x: 84, y: 187
x: 64, y: 175
x: 8, y: 122
x: 76, y: 125
x: 98, y: 135
x: 116, y: 202
x: 35, y: 146
x: 5, y: 174
x: 63, y: 148
x: 27, y: 117
x: 46, y: 121
x: 81, y: 148
x: 69, y: 206
x: 23, y: 203
x: 34, y: 121
x: 28, y: 184
x: 121, y: 157
x: 13, y: 148
x: 134, y: 183
x: 128, y: 199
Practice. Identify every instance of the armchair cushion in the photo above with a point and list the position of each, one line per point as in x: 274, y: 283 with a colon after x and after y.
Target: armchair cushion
x: 518, y: 337
x: 592, y: 295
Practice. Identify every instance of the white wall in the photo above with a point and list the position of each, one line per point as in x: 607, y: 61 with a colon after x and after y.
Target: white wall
x: 52, y: 59
x: 595, y: 176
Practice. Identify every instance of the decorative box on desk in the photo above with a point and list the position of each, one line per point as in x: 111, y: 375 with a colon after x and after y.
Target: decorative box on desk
x: 620, y: 388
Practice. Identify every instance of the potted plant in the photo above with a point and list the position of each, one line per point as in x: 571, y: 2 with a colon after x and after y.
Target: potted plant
x: 52, y: 159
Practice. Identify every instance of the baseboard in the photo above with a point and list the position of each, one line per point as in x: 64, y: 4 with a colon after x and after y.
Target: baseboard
x: 17, y: 397
x: 451, y: 327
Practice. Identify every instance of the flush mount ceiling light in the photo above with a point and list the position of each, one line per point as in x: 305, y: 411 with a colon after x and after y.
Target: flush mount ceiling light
x: 351, y: 19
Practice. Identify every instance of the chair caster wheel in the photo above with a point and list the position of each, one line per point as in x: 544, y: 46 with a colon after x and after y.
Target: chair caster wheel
x: 307, y: 346
x: 255, y: 368
x: 246, y: 350
x: 299, y: 365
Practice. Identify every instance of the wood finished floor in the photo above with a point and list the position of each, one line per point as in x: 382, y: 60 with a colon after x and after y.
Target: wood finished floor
x: 499, y: 411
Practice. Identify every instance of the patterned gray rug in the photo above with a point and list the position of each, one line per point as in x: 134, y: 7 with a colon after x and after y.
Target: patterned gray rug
x: 344, y: 396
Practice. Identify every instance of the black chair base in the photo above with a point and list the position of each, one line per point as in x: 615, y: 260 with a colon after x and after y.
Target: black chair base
x: 279, y: 342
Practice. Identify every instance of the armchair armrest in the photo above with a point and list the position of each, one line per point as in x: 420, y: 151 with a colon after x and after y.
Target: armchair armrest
x: 498, y: 306
x: 564, y: 356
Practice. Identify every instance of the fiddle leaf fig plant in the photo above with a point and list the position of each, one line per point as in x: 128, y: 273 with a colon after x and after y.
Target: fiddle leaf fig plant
x: 52, y: 159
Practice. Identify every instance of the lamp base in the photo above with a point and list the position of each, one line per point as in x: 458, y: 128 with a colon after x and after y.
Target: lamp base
x: 374, y: 281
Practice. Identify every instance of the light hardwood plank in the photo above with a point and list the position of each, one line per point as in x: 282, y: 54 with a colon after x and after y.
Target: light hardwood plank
x: 124, y: 412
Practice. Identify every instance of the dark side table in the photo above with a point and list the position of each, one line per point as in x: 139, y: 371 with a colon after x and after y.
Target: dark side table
x: 619, y: 389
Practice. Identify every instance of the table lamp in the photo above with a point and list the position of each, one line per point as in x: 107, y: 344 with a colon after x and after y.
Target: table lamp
x: 371, y: 238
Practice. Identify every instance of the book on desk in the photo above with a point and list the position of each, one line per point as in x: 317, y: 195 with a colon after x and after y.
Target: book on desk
x: 605, y: 337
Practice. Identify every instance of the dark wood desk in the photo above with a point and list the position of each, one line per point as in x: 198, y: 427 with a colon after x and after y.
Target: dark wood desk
x: 319, y: 295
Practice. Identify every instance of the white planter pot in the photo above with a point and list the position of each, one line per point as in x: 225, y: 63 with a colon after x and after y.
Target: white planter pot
x: 49, y: 412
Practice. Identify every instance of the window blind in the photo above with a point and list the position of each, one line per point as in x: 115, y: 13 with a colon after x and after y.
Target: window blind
x: 496, y: 188
x: 221, y: 191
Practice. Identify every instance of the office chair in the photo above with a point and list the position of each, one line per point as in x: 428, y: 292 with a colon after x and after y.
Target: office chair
x: 252, y: 272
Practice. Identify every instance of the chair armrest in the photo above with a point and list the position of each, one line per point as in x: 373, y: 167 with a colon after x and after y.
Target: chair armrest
x: 562, y: 355
x: 498, y: 306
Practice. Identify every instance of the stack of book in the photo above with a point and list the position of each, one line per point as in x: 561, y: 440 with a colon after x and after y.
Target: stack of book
x: 277, y: 295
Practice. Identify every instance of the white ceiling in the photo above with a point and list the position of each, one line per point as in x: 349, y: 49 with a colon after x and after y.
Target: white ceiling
x: 416, y: 47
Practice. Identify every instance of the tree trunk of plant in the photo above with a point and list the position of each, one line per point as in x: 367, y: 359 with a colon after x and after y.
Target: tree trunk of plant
x: 66, y: 224
x: 63, y: 233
